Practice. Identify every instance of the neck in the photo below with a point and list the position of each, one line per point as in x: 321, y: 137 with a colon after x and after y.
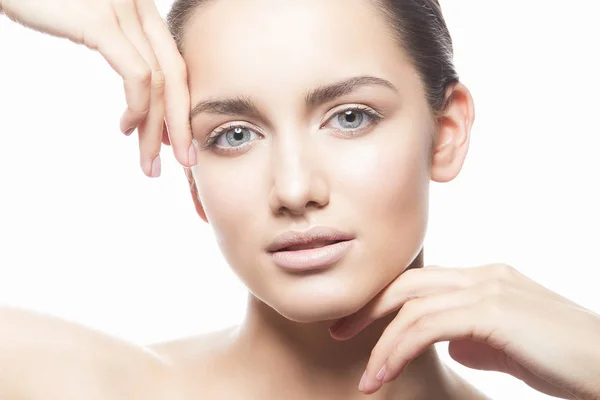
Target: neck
x: 308, y: 363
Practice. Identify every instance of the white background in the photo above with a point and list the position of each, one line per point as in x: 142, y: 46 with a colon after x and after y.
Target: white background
x: 84, y: 235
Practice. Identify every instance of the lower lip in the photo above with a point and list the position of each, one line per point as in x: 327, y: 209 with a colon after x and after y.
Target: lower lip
x: 311, y: 259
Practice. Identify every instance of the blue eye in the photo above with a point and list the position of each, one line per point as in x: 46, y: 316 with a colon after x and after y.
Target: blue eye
x: 232, y: 137
x: 350, y: 119
x: 355, y: 119
x: 236, y: 137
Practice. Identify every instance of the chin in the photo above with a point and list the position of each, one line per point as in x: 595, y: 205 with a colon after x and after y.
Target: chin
x: 309, y: 303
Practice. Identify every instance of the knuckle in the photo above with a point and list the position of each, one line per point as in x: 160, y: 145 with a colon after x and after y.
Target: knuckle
x: 503, y: 271
x: 142, y: 75
x: 409, y: 307
x: 421, y: 325
x: 139, y: 113
x: 408, y: 275
x: 396, y: 349
x: 395, y: 353
x: 158, y: 80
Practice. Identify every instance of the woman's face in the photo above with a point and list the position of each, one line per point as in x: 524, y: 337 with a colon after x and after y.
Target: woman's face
x: 299, y: 160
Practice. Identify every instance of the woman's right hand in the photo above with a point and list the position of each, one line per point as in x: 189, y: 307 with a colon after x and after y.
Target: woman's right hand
x: 134, y: 39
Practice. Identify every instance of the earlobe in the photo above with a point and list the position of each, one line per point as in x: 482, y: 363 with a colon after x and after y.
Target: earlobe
x: 194, y: 192
x: 454, y: 130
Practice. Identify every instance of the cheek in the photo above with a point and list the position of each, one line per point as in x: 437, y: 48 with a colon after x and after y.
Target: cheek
x: 233, y: 199
x: 387, y: 174
x: 387, y: 185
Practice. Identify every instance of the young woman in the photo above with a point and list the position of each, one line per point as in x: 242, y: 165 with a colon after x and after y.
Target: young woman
x: 314, y: 142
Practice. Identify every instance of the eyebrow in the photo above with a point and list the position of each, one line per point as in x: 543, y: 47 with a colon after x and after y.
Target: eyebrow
x: 320, y: 95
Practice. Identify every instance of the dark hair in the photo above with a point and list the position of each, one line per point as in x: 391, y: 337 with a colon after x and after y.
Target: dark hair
x: 419, y: 28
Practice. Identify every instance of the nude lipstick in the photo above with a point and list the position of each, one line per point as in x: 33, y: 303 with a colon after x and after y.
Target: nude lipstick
x: 316, y: 248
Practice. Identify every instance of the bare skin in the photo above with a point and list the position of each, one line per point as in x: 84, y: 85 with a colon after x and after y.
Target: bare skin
x: 224, y: 365
x: 298, y: 170
x: 45, y: 357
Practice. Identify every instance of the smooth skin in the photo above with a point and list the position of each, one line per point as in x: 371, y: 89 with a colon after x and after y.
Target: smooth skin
x: 44, y: 357
x: 494, y: 317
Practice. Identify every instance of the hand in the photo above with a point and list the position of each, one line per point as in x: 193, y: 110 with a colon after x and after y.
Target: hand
x: 132, y: 36
x: 494, y: 318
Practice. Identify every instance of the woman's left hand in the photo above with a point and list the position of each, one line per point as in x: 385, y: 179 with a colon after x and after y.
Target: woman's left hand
x: 494, y: 318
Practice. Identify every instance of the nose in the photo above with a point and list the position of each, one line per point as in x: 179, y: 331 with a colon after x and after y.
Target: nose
x: 299, y: 181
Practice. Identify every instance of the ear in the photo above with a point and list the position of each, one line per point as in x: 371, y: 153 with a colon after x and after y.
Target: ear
x: 194, y: 192
x: 454, y: 131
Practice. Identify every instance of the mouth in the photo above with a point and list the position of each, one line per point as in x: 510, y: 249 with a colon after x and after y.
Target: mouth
x: 316, y: 249
x: 311, y: 256
x: 315, y: 237
x: 311, y: 245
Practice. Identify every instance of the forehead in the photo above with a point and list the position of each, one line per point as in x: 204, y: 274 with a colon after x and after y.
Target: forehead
x: 276, y: 47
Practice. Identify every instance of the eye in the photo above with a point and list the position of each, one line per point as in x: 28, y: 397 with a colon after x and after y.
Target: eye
x: 355, y: 118
x: 231, y: 137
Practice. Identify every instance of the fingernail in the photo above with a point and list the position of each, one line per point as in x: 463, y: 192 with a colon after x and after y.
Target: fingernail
x: 361, y: 385
x: 156, y: 167
x: 128, y: 131
x: 381, y: 374
x: 192, y: 155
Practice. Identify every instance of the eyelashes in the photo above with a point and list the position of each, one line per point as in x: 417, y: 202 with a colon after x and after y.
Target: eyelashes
x: 231, y: 138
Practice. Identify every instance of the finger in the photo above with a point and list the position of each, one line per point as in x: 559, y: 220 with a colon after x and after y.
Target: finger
x: 422, y: 282
x: 458, y: 323
x: 410, y: 284
x: 177, y: 97
x: 125, y: 59
x: 469, y: 322
x: 412, y: 312
x: 165, y: 135
x: 150, y: 128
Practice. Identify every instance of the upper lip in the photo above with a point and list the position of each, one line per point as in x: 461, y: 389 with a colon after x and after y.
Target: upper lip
x: 316, y: 235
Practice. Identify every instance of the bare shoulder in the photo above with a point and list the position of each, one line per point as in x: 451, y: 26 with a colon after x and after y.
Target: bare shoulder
x: 43, y: 356
x: 196, y: 350
x: 200, y: 362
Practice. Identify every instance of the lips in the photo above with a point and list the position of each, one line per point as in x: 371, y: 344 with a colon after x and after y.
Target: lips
x: 312, y: 245
x: 318, y: 236
x: 318, y: 248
